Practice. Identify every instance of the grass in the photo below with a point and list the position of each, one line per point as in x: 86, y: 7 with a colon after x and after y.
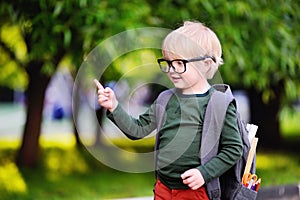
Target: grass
x: 278, y: 168
x: 65, y: 172
x: 68, y: 173
x: 282, y: 167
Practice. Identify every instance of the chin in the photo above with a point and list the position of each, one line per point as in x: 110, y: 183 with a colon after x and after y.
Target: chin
x: 178, y: 85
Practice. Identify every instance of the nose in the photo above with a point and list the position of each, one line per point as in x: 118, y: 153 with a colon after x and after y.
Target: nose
x: 172, y: 69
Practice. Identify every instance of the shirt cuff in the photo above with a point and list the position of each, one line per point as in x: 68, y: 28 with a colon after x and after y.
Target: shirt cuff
x: 111, y: 114
x: 207, y: 178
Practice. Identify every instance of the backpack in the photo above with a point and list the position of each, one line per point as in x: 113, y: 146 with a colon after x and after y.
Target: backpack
x: 228, y: 185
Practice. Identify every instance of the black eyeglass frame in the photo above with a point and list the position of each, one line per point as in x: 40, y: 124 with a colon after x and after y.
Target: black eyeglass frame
x: 184, y: 61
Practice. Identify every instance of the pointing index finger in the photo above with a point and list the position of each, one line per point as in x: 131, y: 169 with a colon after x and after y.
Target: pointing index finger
x: 98, y: 84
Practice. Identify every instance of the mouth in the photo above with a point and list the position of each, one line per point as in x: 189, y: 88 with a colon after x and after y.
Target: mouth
x: 175, y: 78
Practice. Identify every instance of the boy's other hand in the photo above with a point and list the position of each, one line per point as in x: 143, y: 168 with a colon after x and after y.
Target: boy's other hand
x: 193, y: 178
x: 106, y: 97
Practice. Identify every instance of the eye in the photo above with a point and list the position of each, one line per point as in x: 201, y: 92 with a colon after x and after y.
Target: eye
x: 178, y: 63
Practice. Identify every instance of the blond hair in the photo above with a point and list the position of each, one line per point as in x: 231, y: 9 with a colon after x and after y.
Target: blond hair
x: 193, y: 39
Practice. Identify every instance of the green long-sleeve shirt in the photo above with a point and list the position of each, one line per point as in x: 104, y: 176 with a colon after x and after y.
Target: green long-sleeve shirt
x: 180, y: 137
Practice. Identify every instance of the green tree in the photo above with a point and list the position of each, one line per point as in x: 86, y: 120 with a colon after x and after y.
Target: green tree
x: 260, y: 41
x: 50, y: 31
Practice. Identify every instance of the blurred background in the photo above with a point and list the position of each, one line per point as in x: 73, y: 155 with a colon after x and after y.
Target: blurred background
x: 42, y: 46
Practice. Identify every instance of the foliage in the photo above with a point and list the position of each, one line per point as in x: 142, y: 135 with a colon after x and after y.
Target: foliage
x: 12, y: 75
x: 260, y: 40
x: 54, y: 31
x: 290, y: 126
x: 48, y: 31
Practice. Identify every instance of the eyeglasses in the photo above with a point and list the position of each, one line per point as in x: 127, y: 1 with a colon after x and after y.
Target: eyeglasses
x: 179, y: 65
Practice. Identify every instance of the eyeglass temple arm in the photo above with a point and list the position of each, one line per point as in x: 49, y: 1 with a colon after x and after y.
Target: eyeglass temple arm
x: 202, y: 58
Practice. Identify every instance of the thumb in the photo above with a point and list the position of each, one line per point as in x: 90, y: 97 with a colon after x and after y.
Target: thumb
x: 108, y: 91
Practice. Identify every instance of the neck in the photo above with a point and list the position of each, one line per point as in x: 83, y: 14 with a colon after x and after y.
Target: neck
x: 200, y: 88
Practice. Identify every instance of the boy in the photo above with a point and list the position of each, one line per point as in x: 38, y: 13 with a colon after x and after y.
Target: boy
x: 192, y: 54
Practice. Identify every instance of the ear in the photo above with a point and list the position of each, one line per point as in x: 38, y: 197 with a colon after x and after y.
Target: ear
x: 208, y: 62
x: 211, y: 68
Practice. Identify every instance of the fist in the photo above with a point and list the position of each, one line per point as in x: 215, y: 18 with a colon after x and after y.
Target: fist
x: 193, y: 178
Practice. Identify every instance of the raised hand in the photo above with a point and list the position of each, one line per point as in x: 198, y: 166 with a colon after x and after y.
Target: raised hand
x: 106, y: 97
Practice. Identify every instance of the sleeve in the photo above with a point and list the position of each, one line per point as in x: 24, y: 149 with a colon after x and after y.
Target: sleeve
x: 134, y: 128
x: 231, y: 148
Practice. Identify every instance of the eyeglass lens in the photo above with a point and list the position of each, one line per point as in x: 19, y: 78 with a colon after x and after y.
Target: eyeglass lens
x: 177, y: 65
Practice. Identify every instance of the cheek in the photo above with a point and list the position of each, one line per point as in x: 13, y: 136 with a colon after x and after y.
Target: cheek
x: 195, y: 72
x: 191, y: 76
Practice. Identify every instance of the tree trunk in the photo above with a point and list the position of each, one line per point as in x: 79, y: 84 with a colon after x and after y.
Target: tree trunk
x: 99, y: 113
x: 266, y: 117
x: 75, y: 107
x: 29, y: 150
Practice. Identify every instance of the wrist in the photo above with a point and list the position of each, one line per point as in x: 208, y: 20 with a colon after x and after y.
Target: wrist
x: 114, y: 106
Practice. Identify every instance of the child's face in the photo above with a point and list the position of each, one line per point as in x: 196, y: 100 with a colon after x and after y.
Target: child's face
x: 192, y: 80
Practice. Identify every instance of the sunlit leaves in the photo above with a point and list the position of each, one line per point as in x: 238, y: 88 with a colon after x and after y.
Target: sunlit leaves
x: 12, y: 76
x: 12, y: 38
x: 16, y: 184
x: 13, y: 52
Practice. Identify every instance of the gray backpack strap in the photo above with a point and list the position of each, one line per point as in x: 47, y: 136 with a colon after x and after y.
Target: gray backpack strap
x: 160, y: 108
x: 212, y: 128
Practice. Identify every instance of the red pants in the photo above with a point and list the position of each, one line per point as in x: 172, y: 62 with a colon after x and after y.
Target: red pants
x: 162, y: 192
